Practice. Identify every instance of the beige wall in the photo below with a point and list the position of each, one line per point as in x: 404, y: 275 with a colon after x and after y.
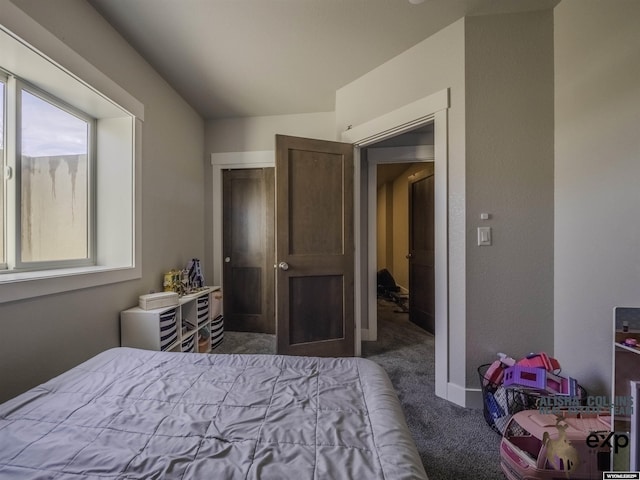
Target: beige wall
x: 509, y: 174
x: 258, y: 133
x: 41, y: 337
x: 384, y: 227
x: 597, y: 173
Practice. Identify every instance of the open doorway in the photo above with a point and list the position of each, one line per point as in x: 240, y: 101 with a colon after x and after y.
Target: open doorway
x: 401, y: 172
x: 404, y: 240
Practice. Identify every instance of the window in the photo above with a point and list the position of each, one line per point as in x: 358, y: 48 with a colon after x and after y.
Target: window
x: 70, y: 152
x: 51, y: 224
x: 3, y: 83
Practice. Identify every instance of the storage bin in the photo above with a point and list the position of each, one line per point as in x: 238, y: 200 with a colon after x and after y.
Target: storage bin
x: 500, y: 403
x: 216, y: 304
x: 203, y: 310
x: 168, y: 329
x: 217, y: 331
x: 188, y: 345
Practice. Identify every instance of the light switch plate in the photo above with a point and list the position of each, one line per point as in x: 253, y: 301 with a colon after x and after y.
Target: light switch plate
x: 484, y: 236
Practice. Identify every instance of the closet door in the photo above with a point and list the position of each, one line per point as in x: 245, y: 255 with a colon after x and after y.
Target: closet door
x: 248, y: 249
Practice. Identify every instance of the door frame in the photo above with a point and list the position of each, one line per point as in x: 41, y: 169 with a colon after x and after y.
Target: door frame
x: 430, y: 109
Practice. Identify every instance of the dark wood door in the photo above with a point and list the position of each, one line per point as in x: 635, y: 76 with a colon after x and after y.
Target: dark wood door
x: 314, y: 247
x: 248, y: 250
x: 421, y: 251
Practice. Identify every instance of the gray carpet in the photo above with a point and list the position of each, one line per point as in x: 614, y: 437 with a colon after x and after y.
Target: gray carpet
x: 242, y: 342
x: 454, y: 443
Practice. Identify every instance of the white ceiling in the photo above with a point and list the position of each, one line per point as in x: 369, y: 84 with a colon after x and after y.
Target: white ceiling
x: 235, y: 58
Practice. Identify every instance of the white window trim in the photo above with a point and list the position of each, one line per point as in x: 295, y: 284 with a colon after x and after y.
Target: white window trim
x: 116, y: 263
x: 3, y: 79
x: 17, y: 85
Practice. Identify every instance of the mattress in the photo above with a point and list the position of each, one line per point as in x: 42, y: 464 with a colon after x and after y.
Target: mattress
x: 138, y: 414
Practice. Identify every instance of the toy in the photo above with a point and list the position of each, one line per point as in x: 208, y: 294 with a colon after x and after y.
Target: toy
x: 539, y: 380
x: 493, y: 407
x: 494, y: 374
x: 540, y: 360
x: 526, y: 377
x: 506, y: 359
x: 538, y: 446
x: 194, y: 273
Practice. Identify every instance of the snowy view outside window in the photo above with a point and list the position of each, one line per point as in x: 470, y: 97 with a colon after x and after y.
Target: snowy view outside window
x: 54, y: 182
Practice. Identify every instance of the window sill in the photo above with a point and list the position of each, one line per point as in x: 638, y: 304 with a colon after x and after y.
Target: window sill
x: 22, y: 285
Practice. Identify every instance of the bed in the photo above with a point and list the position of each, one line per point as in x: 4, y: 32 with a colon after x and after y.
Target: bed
x: 138, y: 414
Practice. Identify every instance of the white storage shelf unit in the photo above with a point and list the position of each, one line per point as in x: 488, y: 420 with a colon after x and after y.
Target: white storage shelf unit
x: 194, y: 325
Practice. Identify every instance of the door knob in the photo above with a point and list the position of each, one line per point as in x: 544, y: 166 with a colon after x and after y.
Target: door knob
x: 408, y: 255
x: 283, y: 266
x: 227, y: 259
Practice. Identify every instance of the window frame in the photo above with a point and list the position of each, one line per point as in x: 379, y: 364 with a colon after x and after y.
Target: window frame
x: 13, y: 203
x: 35, y: 54
x: 4, y: 78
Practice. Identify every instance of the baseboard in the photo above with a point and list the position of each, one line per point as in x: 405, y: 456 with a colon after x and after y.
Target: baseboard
x: 474, y: 398
x: 465, y: 397
x: 364, y: 335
